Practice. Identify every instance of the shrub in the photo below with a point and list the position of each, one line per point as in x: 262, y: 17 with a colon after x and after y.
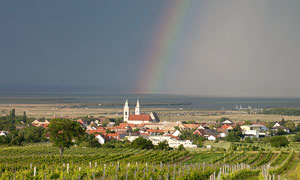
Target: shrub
x: 279, y: 141
x: 241, y: 174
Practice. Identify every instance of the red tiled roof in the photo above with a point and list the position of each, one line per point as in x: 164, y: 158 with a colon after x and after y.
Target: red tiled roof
x: 80, y: 121
x: 154, y: 131
x: 175, y: 137
x: 112, y: 135
x: 143, y: 117
x: 96, y: 131
x: 226, y: 126
x: 144, y: 134
x: 127, y: 124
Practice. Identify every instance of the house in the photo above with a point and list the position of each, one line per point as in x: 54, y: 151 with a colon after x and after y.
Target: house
x: 176, y: 133
x: 132, y: 126
x: 258, y: 127
x: 110, y: 136
x: 132, y: 136
x: 227, y: 127
x: 207, y: 133
x: 38, y: 123
x: 254, y: 130
x: 154, y: 131
x: 227, y: 122
x: 251, y: 133
x: 277, y: 126
x: 100, y: 138
x: 203, y: 127
x: 97, y: 130
x: 3, y: 133
x: 174, y: 143
x: 211, y: 138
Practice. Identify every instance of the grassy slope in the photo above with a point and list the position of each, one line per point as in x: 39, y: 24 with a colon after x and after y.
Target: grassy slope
x: 293, y: 172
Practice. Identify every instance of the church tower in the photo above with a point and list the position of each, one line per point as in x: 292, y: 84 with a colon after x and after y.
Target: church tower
x: 137, y: 108
x: 126, y: 111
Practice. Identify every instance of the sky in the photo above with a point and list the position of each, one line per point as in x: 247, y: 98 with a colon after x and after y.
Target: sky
x: 209, y: 48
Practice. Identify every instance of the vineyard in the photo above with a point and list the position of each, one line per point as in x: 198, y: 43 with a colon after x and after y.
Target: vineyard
x: 43, y: 162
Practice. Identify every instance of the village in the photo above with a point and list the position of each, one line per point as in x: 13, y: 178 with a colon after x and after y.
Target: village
x: 149, y: 126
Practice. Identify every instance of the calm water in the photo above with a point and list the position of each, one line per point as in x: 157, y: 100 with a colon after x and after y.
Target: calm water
x: 163, y: 101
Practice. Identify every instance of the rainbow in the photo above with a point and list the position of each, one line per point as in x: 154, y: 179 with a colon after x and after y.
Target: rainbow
x: 161, y: 49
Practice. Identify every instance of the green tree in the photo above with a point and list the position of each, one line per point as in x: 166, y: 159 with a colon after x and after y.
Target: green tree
x: 279, y: 141
x: 296, y: 137
x: 282, y: 122
x: 248, y: 122
x: 141, y: 143
x: 181, y: 148
x: 33, y: 134
x: 13, y: 116
x: 136, y: 130
x: 24, y: 118
x: 234, y: 135
x: 280, y: 132
x: 108, y: 131
x: 62, y: 132
x: 298, y: 127
x: 163, y: 145
x: 291, y: 125
x: 222, y: 119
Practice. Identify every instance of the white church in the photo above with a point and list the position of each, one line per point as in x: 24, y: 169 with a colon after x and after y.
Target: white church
x: 137, y: 117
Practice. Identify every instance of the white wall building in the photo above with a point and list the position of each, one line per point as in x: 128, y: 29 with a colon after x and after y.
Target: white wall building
x: 174, y: 143
x: 253, y: 133
x: 211, y: 138
x: 100, y: 139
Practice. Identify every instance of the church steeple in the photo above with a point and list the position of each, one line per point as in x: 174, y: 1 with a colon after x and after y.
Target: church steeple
x: 126, y: 111
x: 137, y: 108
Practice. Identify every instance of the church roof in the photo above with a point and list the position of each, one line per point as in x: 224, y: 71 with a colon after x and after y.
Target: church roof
x: 143, y: 117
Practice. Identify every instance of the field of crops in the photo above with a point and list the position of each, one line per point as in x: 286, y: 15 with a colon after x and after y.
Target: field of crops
x: 43, y: 162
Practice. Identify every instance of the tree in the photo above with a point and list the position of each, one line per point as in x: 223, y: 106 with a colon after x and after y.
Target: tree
x: 13, y: 116
x: 296, y: 138
x: 279, y: 141
x: 108, y: 131
x: 248, y: 122
x: 291, y: 125
x: 88, y: 141
x: 280, y: 132
x: 163, y: 145
x: 24, y: 118
x: 224, y: 119
x: 136, y: 130
x: 298, y: 127
x: 282, y: 122
x: 181, y: 148
x: 62, y: 132
x: 141, y: 143
x: 234, y: 135
x: 33, y: 134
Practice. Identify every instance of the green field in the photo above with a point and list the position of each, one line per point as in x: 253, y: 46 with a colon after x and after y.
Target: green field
x: 42, y: 161
x: 204, y: 157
